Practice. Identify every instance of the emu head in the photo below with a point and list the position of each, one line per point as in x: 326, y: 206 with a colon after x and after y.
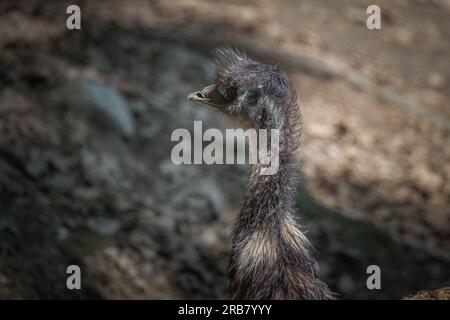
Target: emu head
x: 249, y: 92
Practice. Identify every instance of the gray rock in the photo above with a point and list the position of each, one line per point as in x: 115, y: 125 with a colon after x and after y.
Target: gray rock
x: 88, y: 95
x: 62, y: 233
x: 346, y: 284
x: 37, y: 164
x: 103, y: 226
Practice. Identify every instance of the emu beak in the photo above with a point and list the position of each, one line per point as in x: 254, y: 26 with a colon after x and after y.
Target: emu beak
x: 209, y: 96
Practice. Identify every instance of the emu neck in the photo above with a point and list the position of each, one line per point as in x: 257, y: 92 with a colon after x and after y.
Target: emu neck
x: 271, y: 196
x: 270, y: 257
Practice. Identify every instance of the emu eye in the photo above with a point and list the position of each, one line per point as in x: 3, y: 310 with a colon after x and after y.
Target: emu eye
x: 252, y: 97
x: 227, y: 92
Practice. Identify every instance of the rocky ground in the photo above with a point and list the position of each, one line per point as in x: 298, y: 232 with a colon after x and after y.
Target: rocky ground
x: 86, y: 116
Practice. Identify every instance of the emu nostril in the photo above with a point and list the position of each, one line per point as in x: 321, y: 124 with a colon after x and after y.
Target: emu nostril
x: 196, y: 96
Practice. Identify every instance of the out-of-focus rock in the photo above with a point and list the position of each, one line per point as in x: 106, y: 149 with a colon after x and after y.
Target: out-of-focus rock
x: 62, y: 233
x: 439, y: 294
x: 37, y: 164
x: 346, y: 284
x: 103, y: 226
x: 87, y: 95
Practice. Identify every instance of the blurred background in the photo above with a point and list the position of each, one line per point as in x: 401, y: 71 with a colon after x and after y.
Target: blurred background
x: 86, y: 117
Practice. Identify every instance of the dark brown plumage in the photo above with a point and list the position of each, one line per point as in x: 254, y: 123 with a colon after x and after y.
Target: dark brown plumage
x: 270, y: 257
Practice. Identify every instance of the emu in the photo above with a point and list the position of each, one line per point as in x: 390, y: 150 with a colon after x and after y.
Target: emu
x: 270, y: 258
